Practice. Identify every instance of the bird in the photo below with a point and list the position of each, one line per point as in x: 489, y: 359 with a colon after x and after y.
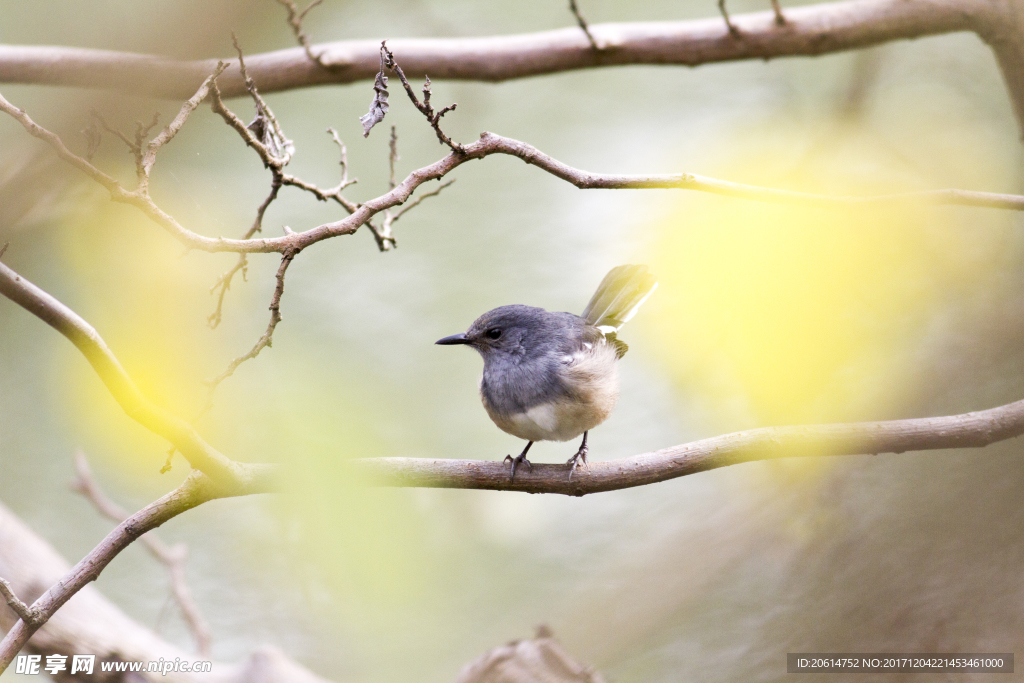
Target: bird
x: 552, y: 376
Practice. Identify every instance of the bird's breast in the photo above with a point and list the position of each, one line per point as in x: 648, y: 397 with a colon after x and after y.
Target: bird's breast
x: 557, y: 403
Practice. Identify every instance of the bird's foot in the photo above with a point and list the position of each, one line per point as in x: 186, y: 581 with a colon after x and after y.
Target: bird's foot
x: 519, y: 459
x: 574, y: 461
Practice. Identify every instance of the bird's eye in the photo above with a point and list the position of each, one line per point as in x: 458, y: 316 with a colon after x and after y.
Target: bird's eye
x: 494, y: 333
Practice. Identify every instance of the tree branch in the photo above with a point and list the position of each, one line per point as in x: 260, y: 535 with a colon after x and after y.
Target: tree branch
x: 969, y: 430
x: 201, y: 455
x: 24, y: 612
x: 172, y: 558
x: 268, y: 336
x: 582, y: 24
x: 295, y: 17
x: 809, y: 30
x: 195, y: 490
x: 488, y: 144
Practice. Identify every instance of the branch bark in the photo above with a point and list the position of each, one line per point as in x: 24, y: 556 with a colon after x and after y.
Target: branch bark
x: 251, y: 478
x: 90, y: 623
x: 196, y: 489
x: 488, y: 144
x: 969, y: 430
x: 171, y: 557
x: 808, y: 31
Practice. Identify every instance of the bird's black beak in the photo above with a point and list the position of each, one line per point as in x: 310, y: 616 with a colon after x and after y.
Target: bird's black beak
x: 459, y: 338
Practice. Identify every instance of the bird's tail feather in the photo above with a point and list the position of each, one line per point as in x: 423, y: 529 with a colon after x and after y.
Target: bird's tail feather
x: 619, y: 295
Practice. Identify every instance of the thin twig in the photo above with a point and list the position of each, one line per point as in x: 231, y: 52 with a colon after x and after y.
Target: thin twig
x: 172, y: 557
x: 4, y: 248
x: 295, y: 18
x: 385, y: 239
x: 419, y: 198
x: 434, y: 118
x: 268, y: 336
x: 265, y: 126
x: 345, y: 182
x: 488, y: 144
x: 195, y: 490
x: 134, y: 148
x: 392, y: 157
x: 390, y: 218
x: 223, y: 283
x: 26, y: 613
x: 181, y: 434
x: 583, y: 24
x: 172, y: 128
x: 780, y: 20
x: 733, y: 31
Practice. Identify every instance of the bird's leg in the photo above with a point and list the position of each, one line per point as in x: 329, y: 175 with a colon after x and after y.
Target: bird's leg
x: 581, y: 454
x: 518, y: 459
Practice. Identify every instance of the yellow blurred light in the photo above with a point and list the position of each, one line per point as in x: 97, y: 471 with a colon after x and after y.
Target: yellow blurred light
x: 791, y: 314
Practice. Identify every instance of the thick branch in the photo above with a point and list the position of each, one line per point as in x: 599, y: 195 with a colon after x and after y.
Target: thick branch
x: 201, y: 455
x: 970, y: 430
x: 810, y: 30
x: 196, y: 489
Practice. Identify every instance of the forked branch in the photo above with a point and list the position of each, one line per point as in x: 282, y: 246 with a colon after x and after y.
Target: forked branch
x: 24, y: 612
x: 196, y: 489
x: 268, y: 336
x: 360, y: 214
x: 295, y: 18
x: 232, y: 476
x: 171, y: 557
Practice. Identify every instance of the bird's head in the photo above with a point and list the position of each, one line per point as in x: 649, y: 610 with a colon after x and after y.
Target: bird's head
x: 504, y: 331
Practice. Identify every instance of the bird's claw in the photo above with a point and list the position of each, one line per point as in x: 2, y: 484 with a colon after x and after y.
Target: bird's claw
x: 521, y: 458
x: 574, y: 461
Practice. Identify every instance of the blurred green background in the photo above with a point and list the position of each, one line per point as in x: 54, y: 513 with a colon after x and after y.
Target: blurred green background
x: 766, y: 315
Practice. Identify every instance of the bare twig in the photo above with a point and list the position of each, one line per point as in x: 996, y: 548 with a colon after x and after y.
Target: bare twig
x: 195, y: 490
x: 343, y: 162
x: 265, y: 127
x: 215, y: 476
x: 172, y: 128
x: 268, y: 336
x: 90, y: 623
x: 733, y: 31
x: 392, y: 157
x: 172, y: 557
x: 26, y: 613
x: 419, y: 198
x: 200, y: 454
x: 488, y: 144
x: 4, y: 248
x: 223, y: 283
x: 93, y: 139
x: 777, y: 9
x: 295, y: 18
x: 433, y: 118
x: 583, y: 23
x: 134, y: 148
x: 383, y: 235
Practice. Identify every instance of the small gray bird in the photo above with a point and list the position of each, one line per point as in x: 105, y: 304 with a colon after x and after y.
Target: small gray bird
x: 553, y: 376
